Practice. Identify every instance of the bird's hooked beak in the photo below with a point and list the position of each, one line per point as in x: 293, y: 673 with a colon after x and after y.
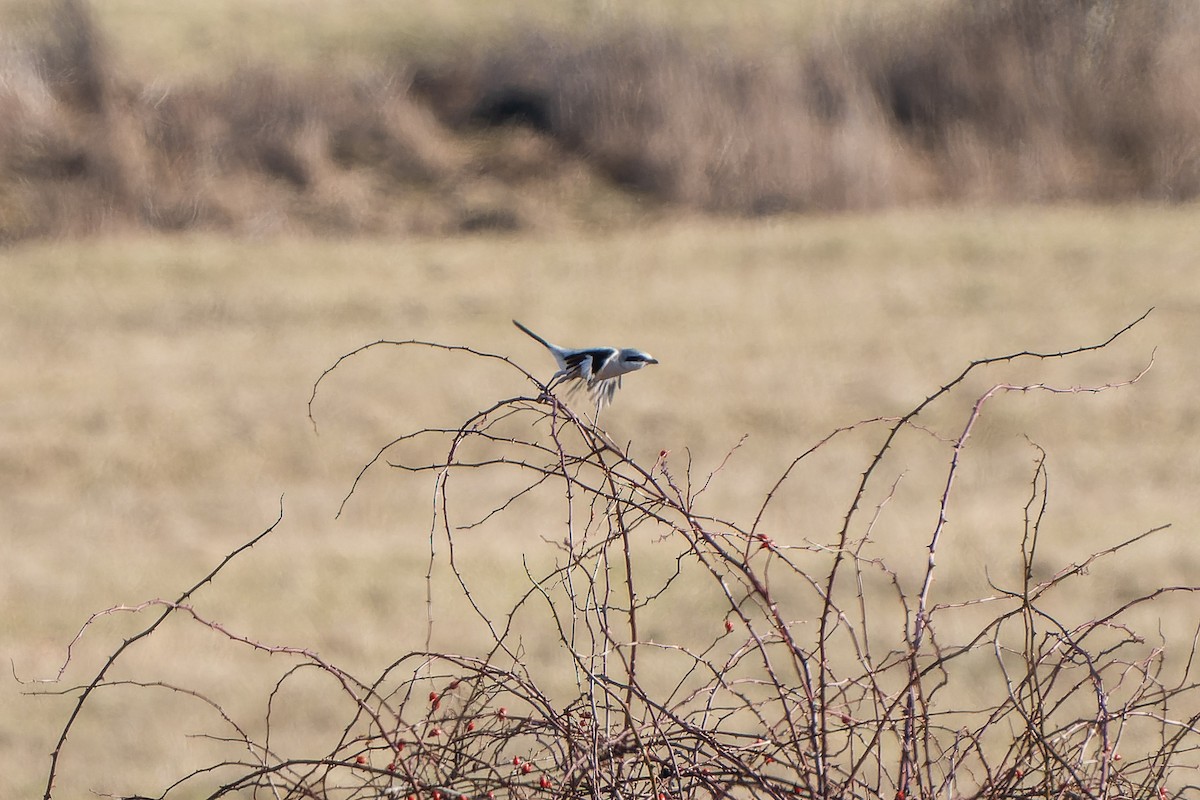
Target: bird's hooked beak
x: 651, y: 360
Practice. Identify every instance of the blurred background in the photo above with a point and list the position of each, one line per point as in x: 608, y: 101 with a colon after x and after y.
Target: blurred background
x: 811, y: 213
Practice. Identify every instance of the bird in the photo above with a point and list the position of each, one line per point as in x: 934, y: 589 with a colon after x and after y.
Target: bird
x: 598, y: 368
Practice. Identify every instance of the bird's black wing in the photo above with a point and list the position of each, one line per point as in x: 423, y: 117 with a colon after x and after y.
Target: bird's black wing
x: 584, y: 364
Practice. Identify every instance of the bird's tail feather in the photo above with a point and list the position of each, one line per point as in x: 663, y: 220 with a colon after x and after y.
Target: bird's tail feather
x: 535, y: 337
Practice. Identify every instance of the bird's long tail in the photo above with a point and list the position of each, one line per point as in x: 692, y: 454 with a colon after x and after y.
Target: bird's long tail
x: 544, y: 343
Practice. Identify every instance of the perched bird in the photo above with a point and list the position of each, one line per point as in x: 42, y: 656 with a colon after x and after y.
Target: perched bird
x: 598, y: 368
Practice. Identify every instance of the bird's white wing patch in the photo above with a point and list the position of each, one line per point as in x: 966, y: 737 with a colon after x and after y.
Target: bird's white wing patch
x: 603, y: 364
x: 577, y: 364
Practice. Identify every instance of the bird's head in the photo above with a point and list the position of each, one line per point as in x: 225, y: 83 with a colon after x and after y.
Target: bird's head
x: 632, y: 359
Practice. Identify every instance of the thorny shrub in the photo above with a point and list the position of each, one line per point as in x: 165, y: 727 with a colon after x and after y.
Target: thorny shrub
x: 762, y: 705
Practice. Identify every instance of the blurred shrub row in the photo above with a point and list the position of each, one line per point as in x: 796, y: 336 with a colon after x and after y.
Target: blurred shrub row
x: 994, y: 101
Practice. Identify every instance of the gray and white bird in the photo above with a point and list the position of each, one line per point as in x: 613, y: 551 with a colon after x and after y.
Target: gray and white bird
x: 598, y: 368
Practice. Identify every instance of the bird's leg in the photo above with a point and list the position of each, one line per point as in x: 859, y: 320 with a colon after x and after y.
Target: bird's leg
x: 596, y: 423
x: 600, y: 432
x: 555, y: 380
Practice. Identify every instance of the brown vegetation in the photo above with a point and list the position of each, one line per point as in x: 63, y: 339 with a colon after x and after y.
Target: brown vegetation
x: 996, y: 101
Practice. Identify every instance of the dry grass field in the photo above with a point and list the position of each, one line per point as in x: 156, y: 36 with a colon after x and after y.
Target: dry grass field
x: 156, y: 414
x: 175, y: 39
x: 192, y: 230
